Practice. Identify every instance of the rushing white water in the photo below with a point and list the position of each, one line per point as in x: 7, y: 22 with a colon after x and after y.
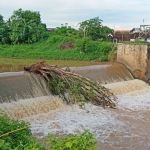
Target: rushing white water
x: 28, y: 107
x: 127, y: 127
x: 91, y: 116
x: 121, y: 88
x: 75, y: 120
x: 133, y: 94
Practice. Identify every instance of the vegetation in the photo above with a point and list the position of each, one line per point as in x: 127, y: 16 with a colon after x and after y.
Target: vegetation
x: 78, y: 89
x: 16, y: 135
x: 66, y: 30
x: 93, y: 28
x: 4, y: 31
x: 85, y: 141
x: 84, y: 49
x: 23, y: 35
x: 22, y: 27
x: 112, y: 56
x: 138, y: 41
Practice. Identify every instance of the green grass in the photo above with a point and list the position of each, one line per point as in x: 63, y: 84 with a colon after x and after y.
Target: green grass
x: 51, y: 49
x: 136, y: 42
x: 16, y: 135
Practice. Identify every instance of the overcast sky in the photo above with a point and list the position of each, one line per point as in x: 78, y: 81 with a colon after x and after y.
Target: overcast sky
x: 117, y: 14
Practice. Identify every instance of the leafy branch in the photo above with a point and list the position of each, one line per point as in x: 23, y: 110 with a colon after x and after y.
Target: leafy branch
x: 13, y: 131
x: 79, y: 89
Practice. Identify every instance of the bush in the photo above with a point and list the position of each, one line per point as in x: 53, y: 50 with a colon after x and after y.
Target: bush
x: 112, y: 56
x: 15, y: 134
x: 81, y: 44
x: 83, y: 49
x: 85, y: 141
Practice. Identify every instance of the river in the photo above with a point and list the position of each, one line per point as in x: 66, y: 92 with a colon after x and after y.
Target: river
x: 124, y: 128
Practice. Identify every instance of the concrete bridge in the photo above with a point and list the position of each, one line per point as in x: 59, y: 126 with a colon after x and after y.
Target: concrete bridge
x: 136, y: 57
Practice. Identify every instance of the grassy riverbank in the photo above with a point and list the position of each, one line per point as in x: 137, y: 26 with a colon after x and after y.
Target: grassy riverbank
x: 57, y: 47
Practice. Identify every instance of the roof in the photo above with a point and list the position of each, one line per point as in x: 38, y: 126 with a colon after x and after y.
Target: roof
x: 122, y: 31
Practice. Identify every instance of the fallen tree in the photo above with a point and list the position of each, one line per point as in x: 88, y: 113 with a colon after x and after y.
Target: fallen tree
x: 72, y: 87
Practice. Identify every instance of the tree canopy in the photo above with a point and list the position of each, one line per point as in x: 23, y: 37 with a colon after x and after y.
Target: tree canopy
x: 94, y: 28
x: 4, y: 31
x: 1, y: 19
x: 27, y: 27
x: 66, y: 30
x: 23, y: 27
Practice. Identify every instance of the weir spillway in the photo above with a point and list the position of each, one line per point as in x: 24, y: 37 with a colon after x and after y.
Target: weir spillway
x: 22, y: 85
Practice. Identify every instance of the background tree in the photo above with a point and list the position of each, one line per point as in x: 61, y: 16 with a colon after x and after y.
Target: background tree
x: 95, y: 29
x: 92, y: 28
x: 105, y: 32
x: 1, y: 19
x: 4, y: 31
x: 26, y: 27
x: 66, y: 30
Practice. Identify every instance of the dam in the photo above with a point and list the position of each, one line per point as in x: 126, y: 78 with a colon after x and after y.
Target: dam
x: 26, y: 97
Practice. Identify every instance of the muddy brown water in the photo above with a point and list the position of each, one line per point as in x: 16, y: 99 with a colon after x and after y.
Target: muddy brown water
x: 125, y: 128
x: 15, y: 65
x: 106, y: 73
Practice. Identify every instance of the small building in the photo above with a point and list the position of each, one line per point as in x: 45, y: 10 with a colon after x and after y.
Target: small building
x: 135, y: 30
x: 121, y: 31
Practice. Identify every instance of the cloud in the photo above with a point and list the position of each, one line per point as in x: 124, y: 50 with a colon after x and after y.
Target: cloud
x: 55, y: 12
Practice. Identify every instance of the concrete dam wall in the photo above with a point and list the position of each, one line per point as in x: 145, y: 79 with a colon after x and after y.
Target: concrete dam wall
x: 136, y: 58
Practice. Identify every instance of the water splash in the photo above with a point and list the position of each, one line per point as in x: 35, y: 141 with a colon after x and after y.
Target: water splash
x: 33, y: 106
x: 127, y: 86
x: 74, y: 120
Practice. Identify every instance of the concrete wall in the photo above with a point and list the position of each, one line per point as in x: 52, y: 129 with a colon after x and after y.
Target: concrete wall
x: 136, y: 58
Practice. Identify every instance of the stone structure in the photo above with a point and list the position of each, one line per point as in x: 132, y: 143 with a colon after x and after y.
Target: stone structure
x: 136, y: 58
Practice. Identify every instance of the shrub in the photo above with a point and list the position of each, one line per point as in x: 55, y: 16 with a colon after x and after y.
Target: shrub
x: 81, y: 44
x: 112, y: 56
x: 84, y: 141
x: 15, y: 134
x: 83, y: 49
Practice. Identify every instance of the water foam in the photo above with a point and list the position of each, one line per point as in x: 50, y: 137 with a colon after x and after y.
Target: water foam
x: 28, y: 107
x: 132, y: 95
x: 138, y: 100
x: 124, y: 87
x: 74, y: 120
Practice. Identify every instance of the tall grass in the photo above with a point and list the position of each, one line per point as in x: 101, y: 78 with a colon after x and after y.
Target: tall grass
x: 84, y: 49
